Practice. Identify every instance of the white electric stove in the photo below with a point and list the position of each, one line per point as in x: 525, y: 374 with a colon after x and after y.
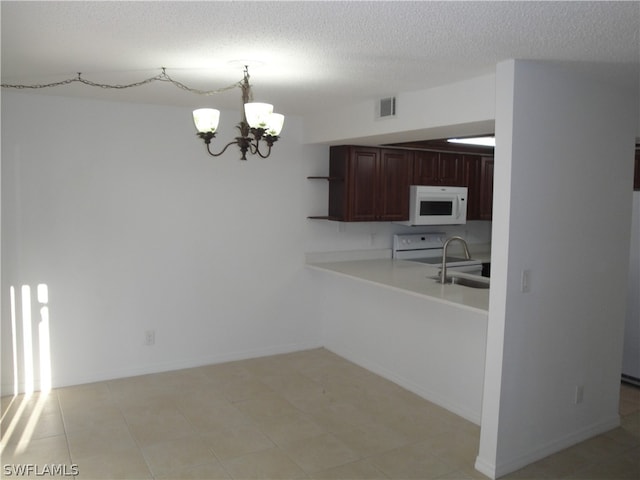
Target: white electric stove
x: 427, y: 248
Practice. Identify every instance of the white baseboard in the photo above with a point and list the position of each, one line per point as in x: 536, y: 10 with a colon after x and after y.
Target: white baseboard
x: 419, y: 390
x: 488, y: 469
x: 61, y: 381
x: 497, y: 470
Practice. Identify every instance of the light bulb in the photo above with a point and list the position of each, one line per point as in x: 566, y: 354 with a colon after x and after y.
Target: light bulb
x: 257, y: 114
x: 274, y: 125
x: 206, y: 119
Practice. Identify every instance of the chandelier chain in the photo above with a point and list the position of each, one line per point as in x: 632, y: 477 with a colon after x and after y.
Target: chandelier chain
x: 161, y: 77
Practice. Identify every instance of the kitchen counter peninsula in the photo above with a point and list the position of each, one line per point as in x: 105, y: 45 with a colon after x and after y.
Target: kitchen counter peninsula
x: 412, y: 277
x: 387, y: 316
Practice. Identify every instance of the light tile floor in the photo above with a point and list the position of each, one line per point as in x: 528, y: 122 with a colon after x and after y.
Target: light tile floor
x: 309, y: 414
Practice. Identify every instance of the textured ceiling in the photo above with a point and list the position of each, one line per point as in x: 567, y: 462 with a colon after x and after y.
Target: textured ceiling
x: 304, y: 56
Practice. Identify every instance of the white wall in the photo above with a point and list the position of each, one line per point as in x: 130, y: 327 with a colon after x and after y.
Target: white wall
x: 562, y: 204
x: 461, y: 108
x: 118, y: 209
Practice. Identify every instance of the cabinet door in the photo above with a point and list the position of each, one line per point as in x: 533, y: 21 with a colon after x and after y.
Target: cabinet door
x: 394, y: 178
x: 338, y: 173
x: 451, y: 170
x: 471, y: 179
x: 433, y: 168
x: 362, y: 184
x: 425, y: 168
x: 486, y: 188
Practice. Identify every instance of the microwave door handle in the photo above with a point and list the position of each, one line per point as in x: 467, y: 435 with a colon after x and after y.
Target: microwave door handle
x: 457, y: 206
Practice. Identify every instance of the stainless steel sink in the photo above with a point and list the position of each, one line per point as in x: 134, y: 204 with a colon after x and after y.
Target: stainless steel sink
x: 466, y: 281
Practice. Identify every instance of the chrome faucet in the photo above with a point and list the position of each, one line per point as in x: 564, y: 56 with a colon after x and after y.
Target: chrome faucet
x: 467, y: 256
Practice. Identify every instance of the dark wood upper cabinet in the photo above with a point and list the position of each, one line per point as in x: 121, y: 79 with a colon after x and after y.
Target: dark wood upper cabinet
x: 368, y: 184
x: 486, y: 188
x: 471, y: 180
x: 438, y: 168
x: 478, y: 178
x: 394, y: 180
x: 425, y: 168
x: 451, y: 169
x: 362, y: 179
x: 371, y: 184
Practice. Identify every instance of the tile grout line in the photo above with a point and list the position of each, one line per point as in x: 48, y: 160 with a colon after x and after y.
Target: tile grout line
x: 124, y: 418
x: 66, y: 433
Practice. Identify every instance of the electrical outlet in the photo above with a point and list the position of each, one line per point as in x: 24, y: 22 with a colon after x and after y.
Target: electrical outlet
x: 150, y: 337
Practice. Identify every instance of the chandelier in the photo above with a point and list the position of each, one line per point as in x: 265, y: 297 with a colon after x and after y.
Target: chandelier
x: 259, y: 125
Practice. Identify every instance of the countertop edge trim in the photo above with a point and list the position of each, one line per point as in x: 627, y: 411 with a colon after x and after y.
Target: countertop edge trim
x: 319, y: 267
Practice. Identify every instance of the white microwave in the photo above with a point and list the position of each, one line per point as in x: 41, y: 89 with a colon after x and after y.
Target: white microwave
x: 431, y: 205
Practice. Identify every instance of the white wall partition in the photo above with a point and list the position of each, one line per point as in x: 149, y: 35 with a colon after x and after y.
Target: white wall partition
x: 562, y: 204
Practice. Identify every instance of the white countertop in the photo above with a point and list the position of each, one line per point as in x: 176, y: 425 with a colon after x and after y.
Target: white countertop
x: 409, y: 277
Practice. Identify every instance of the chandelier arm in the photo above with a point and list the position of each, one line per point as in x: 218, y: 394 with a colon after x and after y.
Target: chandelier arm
x: 253, y: 147
x: 260, y: 153
x: 221, y: 151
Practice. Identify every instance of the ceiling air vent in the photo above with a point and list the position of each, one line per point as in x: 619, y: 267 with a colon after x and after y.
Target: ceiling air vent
x: 387, y: 107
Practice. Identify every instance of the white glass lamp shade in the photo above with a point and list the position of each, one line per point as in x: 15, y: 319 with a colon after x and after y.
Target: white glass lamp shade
x: 258, y: 114
x: 274, y: 127
x: 206, y: 119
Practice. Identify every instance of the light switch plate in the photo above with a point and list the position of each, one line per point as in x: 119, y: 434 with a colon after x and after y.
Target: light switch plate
x: 525, y: 281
